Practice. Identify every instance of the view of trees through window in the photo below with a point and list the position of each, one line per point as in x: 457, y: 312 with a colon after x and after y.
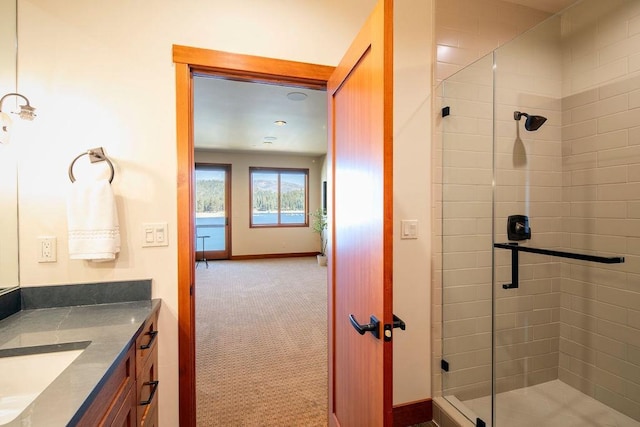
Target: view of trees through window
x: 210, y: 195
x: 279, y: 196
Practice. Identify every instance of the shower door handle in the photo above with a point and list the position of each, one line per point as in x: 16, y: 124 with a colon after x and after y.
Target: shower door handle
x: 373, y: 327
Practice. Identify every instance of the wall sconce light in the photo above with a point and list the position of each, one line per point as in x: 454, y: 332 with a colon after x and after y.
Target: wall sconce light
x: 27, y: 112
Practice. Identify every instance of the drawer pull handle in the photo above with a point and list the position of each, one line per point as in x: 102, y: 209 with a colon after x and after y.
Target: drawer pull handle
x: 154, y: 388
x: 148, y: 345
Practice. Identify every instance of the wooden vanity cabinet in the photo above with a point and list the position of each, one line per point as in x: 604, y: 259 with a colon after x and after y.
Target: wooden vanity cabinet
x: 115, y: 395
x: 130, y: 395
x: 126, y: 416
x: 147, y: 373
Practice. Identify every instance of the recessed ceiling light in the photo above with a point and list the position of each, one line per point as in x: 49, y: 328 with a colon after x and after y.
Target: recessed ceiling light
x: 297, y: 96
x: 280, y: 123
x: 269, y: 139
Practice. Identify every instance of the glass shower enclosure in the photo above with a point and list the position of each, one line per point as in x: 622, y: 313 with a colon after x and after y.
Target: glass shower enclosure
x: 541, y: 225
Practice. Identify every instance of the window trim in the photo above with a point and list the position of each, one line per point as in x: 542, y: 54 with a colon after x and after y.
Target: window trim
x: 279, y: 171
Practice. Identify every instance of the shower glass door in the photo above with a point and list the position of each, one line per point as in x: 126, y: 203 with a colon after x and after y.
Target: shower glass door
x: 467, y: 212
x: 546, y: 131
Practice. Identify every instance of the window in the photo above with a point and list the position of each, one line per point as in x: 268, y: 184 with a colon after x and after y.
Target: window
x: 279, y: 197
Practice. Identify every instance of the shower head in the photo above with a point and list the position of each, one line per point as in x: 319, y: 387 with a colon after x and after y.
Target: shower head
x: 532, y: 123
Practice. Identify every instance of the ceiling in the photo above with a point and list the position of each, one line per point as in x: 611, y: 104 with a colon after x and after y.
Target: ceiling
x: 240, y: 116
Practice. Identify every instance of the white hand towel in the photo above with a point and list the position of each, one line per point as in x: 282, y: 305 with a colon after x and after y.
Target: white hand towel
x: 92, y: 221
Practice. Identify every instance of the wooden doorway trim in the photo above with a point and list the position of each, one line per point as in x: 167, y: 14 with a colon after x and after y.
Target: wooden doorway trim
x: 189, y: 61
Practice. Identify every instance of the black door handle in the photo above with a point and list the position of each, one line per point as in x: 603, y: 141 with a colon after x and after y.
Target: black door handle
x: 373, y: 327
x: 399, y: 323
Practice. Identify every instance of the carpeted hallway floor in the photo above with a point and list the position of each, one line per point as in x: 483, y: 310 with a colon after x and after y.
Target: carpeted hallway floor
x: 261, y: 343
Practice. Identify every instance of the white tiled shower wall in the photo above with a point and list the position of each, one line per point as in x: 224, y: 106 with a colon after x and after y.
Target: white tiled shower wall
x: 600, y: 308
x: 469, y: 29
x: 528, y: 181
x: 578, y: 178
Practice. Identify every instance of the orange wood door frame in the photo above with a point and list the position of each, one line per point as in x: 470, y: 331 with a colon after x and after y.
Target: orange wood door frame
x: 189, y: 61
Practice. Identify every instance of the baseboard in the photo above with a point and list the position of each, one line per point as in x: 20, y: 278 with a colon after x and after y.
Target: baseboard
x: 266, y: 256
x: 412, y: 413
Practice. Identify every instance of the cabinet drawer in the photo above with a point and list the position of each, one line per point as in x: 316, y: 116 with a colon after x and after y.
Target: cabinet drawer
x: 126, y: 416
x: 146, y: 342
x: 151, y: 418
x: 112, y: 395
x: 147, y: 385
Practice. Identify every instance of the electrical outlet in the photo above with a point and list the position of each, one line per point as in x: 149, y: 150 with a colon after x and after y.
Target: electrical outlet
x: 47, y: 249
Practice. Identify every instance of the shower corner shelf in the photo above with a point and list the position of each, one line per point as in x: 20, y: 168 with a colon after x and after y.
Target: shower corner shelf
x: 515, y: 249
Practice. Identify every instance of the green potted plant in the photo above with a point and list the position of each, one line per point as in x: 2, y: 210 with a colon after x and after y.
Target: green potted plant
x: 319, y: 225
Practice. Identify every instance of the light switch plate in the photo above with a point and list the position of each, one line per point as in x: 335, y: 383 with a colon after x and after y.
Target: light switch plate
x: 409, y: 229
x: 154, y: 234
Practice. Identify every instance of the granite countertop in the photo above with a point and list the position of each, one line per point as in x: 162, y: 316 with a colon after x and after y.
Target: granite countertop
x: 108, y: 329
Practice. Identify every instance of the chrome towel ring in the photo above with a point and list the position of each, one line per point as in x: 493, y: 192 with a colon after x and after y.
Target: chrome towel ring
x: 95, y: 155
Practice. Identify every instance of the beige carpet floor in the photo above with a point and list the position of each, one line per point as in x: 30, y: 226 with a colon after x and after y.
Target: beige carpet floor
x: 261, y: 343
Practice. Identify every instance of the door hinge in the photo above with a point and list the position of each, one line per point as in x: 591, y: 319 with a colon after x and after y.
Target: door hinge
x: 444, y: 365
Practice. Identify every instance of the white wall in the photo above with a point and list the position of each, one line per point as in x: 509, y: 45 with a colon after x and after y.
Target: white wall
x: 258, y: 241
x: 101, y: 74
x: 413, y: 59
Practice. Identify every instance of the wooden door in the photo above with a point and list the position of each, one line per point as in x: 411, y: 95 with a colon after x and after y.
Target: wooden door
x: 361, y: 215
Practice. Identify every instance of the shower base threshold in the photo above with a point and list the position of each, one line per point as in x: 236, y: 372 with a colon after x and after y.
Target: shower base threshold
x: 549, y: 404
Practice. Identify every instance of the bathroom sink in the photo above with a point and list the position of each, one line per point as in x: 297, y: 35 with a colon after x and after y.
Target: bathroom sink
x: 27, y: 371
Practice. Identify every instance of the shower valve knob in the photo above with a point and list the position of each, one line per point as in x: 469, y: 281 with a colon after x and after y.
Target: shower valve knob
x: 518, y: 228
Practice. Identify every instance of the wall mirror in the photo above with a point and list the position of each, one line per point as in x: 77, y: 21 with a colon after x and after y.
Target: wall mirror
x: 9, y: 266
